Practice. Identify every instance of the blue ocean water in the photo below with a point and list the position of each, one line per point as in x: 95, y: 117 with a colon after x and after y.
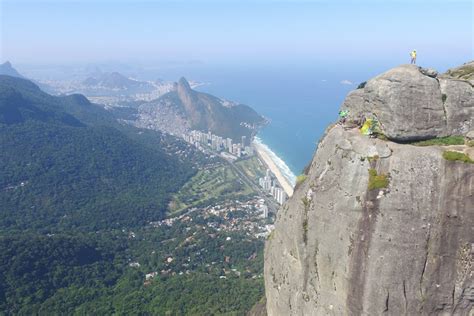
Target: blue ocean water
x: 300, y: 101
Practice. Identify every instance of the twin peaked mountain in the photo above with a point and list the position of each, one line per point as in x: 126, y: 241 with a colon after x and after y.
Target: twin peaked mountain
x: 68, y: 164
x: 184, y: 108
x: 177, y: 111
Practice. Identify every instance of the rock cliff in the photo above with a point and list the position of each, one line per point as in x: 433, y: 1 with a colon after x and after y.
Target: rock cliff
x: 382, y: 226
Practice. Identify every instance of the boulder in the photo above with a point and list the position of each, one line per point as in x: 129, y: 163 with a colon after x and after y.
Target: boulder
x: 411, y: 104
x: 430, y: 72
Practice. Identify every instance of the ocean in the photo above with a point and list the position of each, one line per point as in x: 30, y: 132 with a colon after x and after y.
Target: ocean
x: 300, y: 104
x: 300, y: 101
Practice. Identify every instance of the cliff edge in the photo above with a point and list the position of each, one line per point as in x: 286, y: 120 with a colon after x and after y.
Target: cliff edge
x: 382, y: 226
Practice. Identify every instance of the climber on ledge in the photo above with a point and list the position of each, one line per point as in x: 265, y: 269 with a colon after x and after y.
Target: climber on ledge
x: 413, y: 57
x: 343, y: 116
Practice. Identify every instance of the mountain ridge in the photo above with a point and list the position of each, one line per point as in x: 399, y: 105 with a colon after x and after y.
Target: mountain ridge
x: 79, y: 168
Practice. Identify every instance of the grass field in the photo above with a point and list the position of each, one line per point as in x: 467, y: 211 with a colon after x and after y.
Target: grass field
x: 252, y: 167
x: 215, y: 184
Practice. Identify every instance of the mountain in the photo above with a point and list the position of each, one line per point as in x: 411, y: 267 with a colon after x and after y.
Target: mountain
x: 185, y: 108
x: 66, y: 164
x: 82, y: 206
x: 7, y: 69
x: 113, y: 80
x: 382, y: 224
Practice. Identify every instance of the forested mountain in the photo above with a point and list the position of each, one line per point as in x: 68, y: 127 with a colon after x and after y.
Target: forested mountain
x: 79, y: 198
x: 61, y: 168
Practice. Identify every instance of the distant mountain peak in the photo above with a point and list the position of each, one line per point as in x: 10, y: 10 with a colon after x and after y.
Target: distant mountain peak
x: 185, y: 92
x: 112, y: 80
x: 184, y: 86
x: 184, y: 83
x: 185, y: 108
x: 7, y: 69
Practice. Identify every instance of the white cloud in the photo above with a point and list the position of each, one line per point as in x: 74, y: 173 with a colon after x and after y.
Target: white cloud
x: 346, y: 82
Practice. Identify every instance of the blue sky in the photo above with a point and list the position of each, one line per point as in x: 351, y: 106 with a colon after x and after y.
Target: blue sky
x: 235, y: 31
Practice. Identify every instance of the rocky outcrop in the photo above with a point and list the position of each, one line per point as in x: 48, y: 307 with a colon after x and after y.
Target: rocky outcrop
x: 379, y: 227
x: 412, y: 103
x: 464, y: 72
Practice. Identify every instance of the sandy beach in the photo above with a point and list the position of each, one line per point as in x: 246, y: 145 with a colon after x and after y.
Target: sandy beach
x: 265, y: 157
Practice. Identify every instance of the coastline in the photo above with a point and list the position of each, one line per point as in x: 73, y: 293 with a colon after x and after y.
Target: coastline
x: 268, y: 161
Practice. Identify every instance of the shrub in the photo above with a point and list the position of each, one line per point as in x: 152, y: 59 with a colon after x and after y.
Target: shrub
x: 455, y: 155
x: 377, y: 181
x: 305, y: 230
x: 442, y: 141
x: 300, y: 179
x: 444, y: 97
x: 381, y: 136
x: 362, y: 85
x: 373, y: 158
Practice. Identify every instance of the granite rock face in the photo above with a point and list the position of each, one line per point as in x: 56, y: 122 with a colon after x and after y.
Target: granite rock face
x: 379, y: 227
x: 412, y: 103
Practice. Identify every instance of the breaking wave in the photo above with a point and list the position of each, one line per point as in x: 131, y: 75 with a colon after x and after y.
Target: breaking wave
x: 281, y: 165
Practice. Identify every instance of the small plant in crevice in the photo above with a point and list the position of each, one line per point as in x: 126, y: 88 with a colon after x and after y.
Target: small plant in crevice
x: 305, y: 230
x: 306, y: 205
x: 457, y: 156
x: 381, y: 136
x: 373, y: 158
x: 377, y: 181
x: 300, y: 179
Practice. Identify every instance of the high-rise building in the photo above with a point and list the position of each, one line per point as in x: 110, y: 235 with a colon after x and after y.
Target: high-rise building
x: 264, y: 210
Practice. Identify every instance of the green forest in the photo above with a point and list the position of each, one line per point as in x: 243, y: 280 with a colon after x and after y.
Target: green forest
x: 78, y: 192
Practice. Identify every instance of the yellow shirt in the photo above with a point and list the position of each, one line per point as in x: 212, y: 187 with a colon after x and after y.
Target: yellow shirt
x: 413, y: 54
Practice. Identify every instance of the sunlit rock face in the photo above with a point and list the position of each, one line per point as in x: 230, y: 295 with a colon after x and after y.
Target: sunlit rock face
x: 382, y: 227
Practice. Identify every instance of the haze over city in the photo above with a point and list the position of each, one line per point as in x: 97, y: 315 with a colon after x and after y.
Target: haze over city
x: 226, y: 157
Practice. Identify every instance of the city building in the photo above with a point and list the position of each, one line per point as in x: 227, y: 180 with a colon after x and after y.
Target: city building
x: 270, y: 185
x: 217, y: 143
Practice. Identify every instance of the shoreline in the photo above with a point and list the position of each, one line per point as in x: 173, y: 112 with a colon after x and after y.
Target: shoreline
x: 267, y: 160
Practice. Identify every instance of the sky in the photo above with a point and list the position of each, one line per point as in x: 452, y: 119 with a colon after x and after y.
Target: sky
x: 235, y: 32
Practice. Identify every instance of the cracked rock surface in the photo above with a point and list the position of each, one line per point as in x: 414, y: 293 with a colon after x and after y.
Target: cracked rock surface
x: 412, y: 103
x: 405, y: 247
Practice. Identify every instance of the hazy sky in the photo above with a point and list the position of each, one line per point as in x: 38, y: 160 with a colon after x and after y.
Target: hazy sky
x: 235, y: 31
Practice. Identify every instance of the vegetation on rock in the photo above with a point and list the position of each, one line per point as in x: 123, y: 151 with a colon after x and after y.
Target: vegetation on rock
x: 457, y: 156
x: 377, y: 181
x: 441, y: 141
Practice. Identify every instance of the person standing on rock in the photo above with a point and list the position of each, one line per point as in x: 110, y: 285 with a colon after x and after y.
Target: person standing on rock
x: 413, y: 57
